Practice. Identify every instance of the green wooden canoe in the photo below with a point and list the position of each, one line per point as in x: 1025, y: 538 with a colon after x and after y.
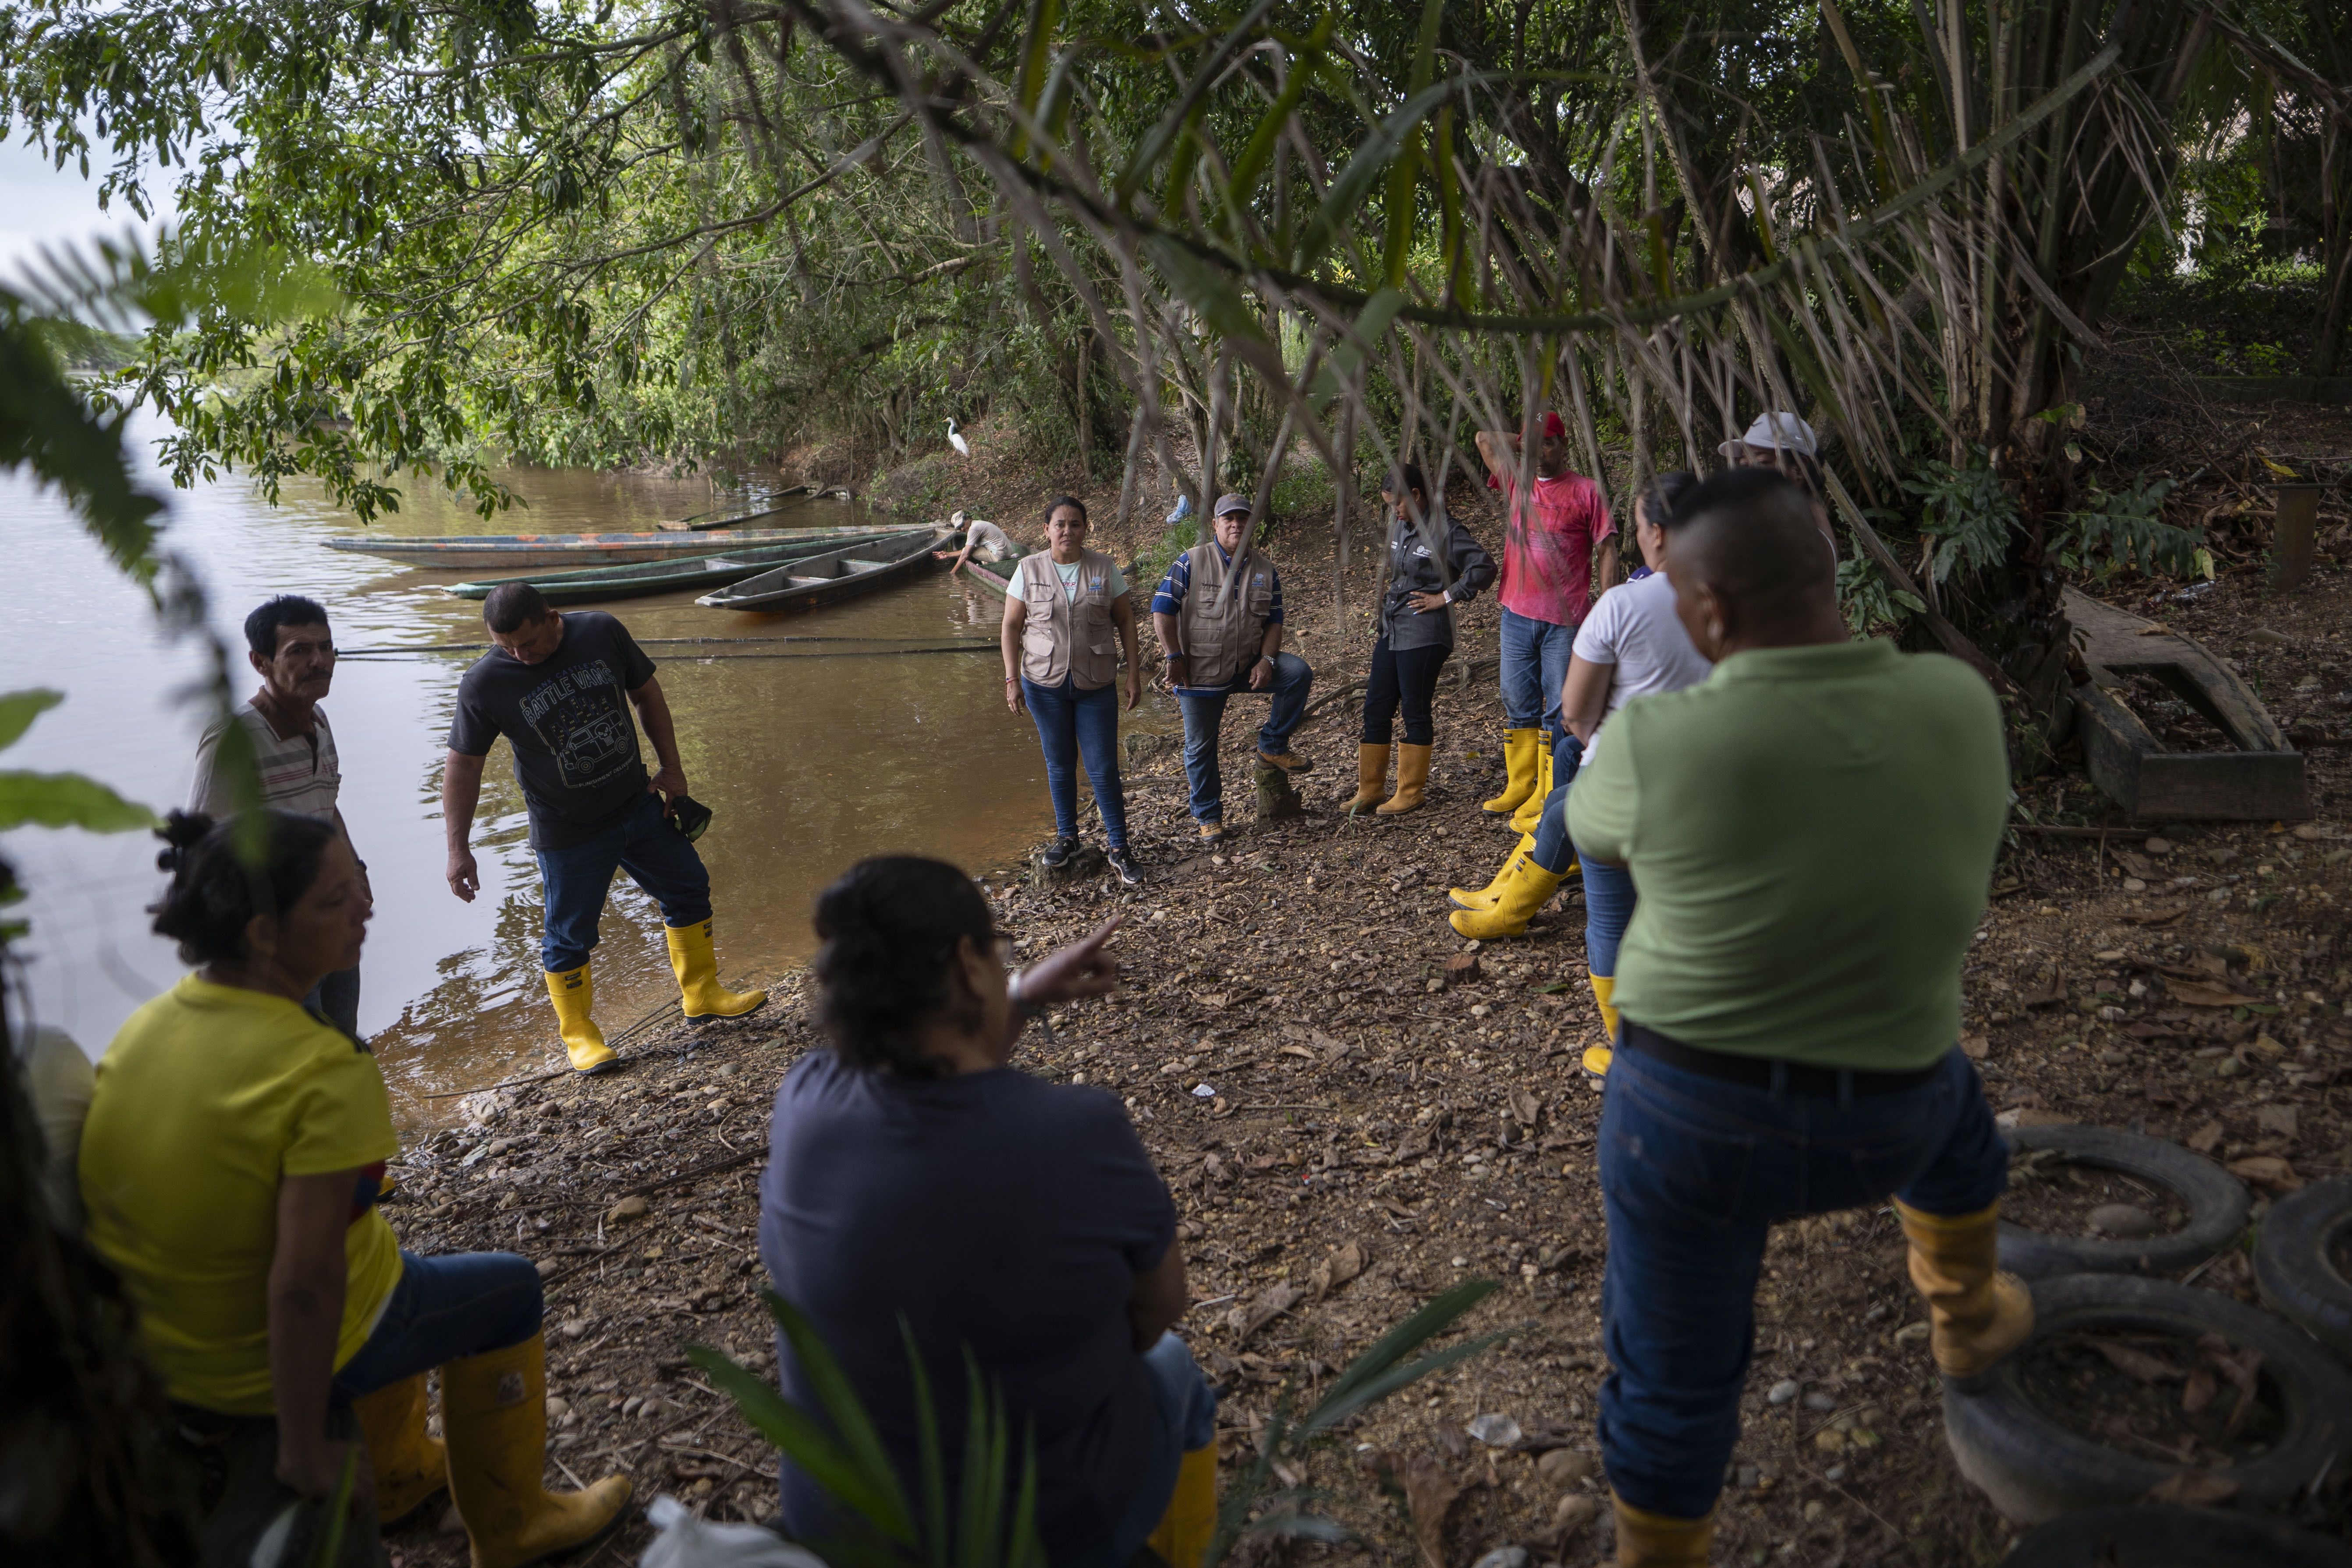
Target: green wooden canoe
x: 699, y: 573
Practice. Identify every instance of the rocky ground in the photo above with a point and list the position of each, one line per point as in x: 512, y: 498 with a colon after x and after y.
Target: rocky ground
x: 1351, y: 1126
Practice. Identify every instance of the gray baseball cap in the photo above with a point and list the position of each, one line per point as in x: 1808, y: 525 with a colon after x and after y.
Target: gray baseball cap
x: 1226, y: 503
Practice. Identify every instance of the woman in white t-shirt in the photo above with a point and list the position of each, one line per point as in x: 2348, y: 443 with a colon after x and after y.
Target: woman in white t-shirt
x: 1632, y: 645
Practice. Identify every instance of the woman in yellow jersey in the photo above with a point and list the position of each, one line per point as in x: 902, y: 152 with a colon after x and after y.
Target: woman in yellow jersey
x: 230, y: 1167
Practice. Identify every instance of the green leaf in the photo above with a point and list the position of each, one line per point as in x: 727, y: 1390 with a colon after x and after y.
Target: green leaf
x: 1205, y: 289
x: 1371, y: 326
x: 1392, y: 1347
x: 1353, y: 183
x: 19, y: 708
x: 1035, y: 45
x: 67, y: 800
x: 798, y: 1436
x: 1156, y: 142
x: 1249, y: 168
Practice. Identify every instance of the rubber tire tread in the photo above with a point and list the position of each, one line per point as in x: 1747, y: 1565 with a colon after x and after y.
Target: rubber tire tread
x: 2293, y: 1269
x: 2217, y: 1205
x: 2166, y: 1535
x: 2034, y: 1469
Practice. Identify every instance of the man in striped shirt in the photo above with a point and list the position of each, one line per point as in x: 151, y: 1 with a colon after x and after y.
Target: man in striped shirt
x: 293, y: 751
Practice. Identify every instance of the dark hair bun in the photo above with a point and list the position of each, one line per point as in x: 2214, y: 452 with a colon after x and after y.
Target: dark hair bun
x: 891, y: 927
x: 182, y: 831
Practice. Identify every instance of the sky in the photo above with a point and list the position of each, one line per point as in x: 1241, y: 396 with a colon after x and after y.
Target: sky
x: 41, y: 206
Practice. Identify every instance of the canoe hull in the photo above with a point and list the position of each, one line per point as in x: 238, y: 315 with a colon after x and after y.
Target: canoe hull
x: 516, y: 552
x: 846, y: 572
x: 699, y: 573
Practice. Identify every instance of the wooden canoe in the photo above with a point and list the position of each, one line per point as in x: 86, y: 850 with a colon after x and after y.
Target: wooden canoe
x: 832, y: 577
x: 531, y: 552
x: 698, y: 572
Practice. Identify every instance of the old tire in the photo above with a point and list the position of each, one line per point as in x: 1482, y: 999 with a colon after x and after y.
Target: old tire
x: 2294, y: 1266
x: 2033, y: 1468
x: 2155, y: 1535
x: 2218, y: 1204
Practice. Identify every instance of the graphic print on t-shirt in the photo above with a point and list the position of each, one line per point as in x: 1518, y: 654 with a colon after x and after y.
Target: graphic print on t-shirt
x: 579, y: 717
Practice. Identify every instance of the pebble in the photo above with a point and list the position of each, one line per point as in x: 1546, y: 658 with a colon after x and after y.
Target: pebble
x: 1829, y: 1440
x: 1785, y: 1390
x: 1566, y: 1467
x: 2160, y: 846
x: 558, y: 1407
x: 573, y: 1328
x: 1496, y: 1431
x: 1835, y: 1473
x: 1574, y: 1513
x: 1819, y: 1401
x: 1750, y: 1475
x: 1503, y: 1557
x: 628, y: 1208
x: 1911, y: 1334
x: 2126, y: 1220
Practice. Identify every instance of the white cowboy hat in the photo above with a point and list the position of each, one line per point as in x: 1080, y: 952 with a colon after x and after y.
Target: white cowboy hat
x: 1778, y: 429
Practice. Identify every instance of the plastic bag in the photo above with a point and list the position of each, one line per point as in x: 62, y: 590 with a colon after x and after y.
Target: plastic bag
x: 686, y: 1542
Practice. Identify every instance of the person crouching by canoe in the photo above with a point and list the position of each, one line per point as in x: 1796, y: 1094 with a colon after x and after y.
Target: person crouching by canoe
x: 230, y: 1167
x: 928, y: 1201
x: 1433, y: 565
x: 1218, y: 613
x: 560, y: 688
x: 1061, y: 664
x: 980, y: 537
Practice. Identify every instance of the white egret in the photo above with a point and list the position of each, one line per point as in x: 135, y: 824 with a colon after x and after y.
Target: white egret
x: 963, y: 446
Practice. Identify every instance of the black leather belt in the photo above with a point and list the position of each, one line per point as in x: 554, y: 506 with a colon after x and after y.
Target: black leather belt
x: 1764, y: 1072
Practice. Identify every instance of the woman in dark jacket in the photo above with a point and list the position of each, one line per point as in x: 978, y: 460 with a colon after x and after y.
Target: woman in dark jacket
x: 1433, y: 565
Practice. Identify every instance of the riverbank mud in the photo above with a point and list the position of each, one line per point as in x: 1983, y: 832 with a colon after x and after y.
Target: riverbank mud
x: 1350, y: 1127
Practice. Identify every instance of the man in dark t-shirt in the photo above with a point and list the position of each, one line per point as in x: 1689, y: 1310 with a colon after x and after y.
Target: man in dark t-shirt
x: 560, y: 688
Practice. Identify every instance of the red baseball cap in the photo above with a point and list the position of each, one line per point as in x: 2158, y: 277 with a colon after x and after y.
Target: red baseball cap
x: 1553, y: 428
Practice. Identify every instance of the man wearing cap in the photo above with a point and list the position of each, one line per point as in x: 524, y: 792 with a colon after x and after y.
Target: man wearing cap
x: 1779, y: 440
x: 1218, y: 613
x: 1551, y: 548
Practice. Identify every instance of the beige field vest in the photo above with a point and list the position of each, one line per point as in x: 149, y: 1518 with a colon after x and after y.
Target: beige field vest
x: 1066, y: 637
x: 1223, y: 620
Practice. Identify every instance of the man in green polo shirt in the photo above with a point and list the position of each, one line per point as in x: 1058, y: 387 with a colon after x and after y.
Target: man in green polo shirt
x: 1812, y: 829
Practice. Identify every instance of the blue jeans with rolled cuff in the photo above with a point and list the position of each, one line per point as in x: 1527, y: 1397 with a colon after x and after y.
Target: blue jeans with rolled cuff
x: 444, y: 1309
x: 1073, y: 725
x: 1534, y: 664
x: 1695, y: 1172
x: 1204, y: 714
x: 656, y: 856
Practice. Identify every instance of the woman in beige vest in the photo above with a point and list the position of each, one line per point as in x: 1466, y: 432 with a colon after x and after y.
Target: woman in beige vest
x: 1060, y: 664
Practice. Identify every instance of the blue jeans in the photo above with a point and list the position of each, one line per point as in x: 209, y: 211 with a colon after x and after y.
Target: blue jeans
x: 1072, y: 724
x: 1608, y: 910
x: 1552, y: 850
x: 461, y: 1304
x: 1189, y: 1408
x: 1204, y: 712
x: 1535, y: 664
x: 655, y: 856
x: 1694, y: 1172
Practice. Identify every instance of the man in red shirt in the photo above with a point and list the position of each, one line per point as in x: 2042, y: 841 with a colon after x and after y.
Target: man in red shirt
x: 1551, y: 549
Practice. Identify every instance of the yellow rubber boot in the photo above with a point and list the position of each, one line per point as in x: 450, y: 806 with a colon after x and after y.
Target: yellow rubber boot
x: 573, y: 992
x: 1486, y: 897
x: 1371, y: 777
x: 1976, y: 1314
x: 410, y: 1465
x: 696, y: 968
x: 494, y: 1410
x: 1518, y: 772
x: 1646, y: 1539
x: 1528, y: 892
x: 1598, y: 1058
x: 1530, y: 815
x: 1184, y: 1531
x: 1412, y: 778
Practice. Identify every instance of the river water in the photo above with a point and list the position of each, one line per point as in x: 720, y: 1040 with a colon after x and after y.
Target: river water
x: 814, y: 756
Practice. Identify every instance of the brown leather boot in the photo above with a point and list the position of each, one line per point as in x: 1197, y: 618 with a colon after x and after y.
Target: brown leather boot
x: 1371, y: 777
x: 1412, y: 778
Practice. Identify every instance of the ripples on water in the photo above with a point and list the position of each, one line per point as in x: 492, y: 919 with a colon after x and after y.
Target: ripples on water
x: 811, y: 763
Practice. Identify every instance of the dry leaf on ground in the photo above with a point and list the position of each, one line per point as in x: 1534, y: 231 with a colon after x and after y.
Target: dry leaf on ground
x: 1430, y: 1490
x: 1336, y: 1269
x: 1271, y: 1303
x: 2136, y: 1363
x: 2266, y: 1171
x: 2198, y: 1489
x: 2206, y: 1139
x: 2195, y: 993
